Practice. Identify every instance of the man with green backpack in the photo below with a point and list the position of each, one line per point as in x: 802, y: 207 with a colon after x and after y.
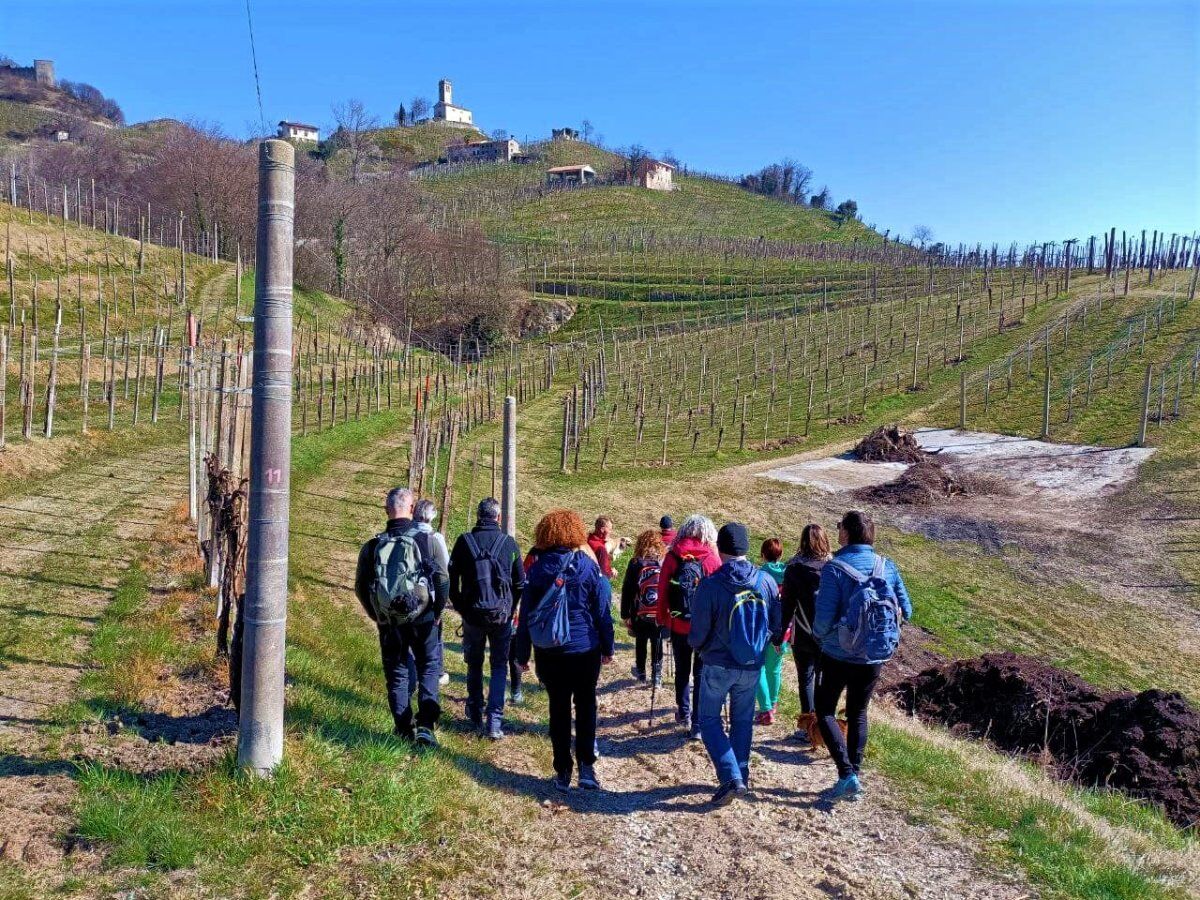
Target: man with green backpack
x: 402, y: 583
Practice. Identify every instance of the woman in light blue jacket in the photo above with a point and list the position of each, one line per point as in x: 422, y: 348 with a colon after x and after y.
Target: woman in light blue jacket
x: 842, y: 671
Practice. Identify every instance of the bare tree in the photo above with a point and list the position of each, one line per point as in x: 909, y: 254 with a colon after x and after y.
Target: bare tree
x: 418, y: 109
x: 922, y: 235
x: 354, y: 135
x: 587, y: 129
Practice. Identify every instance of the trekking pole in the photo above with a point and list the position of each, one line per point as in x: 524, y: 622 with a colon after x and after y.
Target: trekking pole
x: 653, y: 696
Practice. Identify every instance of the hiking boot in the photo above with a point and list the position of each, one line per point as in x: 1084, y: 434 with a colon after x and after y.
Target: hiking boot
x: 587, y: 779
x: 638, y: 675
x: 728, y: 792
x: 426, y: 738
x: 517, y: 698
x: 763, y: 718
x: 495, y: 732
x: 694, y: 735
x: 658, y: 682
x: 475, y: 718
x: 683, y: 717
x: 861, y: 788
x: 561, y: 783
x: 846, y: 788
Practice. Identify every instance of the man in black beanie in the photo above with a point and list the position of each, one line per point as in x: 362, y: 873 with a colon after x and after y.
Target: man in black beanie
x: 666, y: 530
x: 735, y: 612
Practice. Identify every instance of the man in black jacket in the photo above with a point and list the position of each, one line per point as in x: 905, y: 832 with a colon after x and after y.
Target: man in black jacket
x: 486, y: 580
x: 419, y: 638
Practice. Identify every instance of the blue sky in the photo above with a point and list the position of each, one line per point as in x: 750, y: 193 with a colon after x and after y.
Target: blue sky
x: 992, y: 121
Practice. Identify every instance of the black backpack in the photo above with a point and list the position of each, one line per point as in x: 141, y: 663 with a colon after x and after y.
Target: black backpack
x: 683, y: 587
x: 490, y: 599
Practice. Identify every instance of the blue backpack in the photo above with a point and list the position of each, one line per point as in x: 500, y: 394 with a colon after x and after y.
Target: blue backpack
x: 549, y: 622
x: 749, y: 625
x: 869, y: 632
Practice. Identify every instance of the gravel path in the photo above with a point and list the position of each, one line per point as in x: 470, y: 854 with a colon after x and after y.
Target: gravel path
x: 652, y: 832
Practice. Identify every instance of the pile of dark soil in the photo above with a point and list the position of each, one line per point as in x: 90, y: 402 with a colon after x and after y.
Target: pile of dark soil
x: 925, y: 483
x: 889, y: 443
x: 1147, y: 745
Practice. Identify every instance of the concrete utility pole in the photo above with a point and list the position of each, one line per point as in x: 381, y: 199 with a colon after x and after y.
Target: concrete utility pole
x: 508, y: 502
x: 260, y: 730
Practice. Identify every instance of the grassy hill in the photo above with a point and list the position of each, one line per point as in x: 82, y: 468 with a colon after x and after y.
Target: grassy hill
x: 420, y: 143
x: 29, y: 110
x: 514, y: 205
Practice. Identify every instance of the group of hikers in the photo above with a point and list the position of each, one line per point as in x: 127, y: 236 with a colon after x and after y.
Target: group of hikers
x: 730, y: 623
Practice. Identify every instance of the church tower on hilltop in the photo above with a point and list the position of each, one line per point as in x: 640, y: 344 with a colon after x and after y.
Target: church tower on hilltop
x: 445, y: 111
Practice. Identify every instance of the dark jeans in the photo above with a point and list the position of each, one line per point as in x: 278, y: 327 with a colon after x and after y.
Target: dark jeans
x: 858, y: 681
x: 687, y: 678
x: 514, y: 670
x: 806, y: 675
x: 646, y: 634
x: 570, y: 678
x: 475, y: 639
x: 401, y: 646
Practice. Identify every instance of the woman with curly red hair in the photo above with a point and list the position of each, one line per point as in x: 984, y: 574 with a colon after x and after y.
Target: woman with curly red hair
x: 571, y: 670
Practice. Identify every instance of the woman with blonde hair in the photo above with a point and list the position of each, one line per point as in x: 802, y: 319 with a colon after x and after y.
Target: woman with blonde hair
x: 801, y: 580
x: 569, y: 670
x: 639, y: 604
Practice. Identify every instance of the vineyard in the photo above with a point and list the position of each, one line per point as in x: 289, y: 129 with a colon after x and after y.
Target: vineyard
x: 694, y: 357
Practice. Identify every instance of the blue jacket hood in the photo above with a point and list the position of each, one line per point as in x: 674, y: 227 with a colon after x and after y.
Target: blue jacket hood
x: 738, y: 574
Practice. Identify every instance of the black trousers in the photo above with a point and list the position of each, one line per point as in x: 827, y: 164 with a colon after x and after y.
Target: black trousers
x: 806, y: 659
x: 401, y: 646
x: 858, y: 681
x: 514, y: 670
x: 687, y: 676
x: 645, y: 634
x: 570, y: 679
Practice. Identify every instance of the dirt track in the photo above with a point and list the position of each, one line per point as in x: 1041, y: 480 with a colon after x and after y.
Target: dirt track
x: 64, y: 547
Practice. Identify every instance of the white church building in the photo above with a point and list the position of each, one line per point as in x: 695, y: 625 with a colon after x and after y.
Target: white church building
x: 445, y: 110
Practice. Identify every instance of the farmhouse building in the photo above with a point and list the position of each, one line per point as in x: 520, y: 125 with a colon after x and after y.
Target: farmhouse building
x: 445, y: 110
x: 484, y: 151
x: 564, y: 134
x: 655, y: 175
x: 298, y: 131
x: 61, y: 135
x: 570, y: 175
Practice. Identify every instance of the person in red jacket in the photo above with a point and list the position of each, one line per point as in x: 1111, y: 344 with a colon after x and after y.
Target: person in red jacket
x: 598, y: 541
x: 693, y: 555
x: 604, y: 547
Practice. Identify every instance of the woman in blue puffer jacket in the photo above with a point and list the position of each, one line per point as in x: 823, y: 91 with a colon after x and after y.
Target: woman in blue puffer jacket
x: 570, y: 672
x: 839, y: 670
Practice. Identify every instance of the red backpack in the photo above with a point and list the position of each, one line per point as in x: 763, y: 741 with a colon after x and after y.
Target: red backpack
x: 647, y: 600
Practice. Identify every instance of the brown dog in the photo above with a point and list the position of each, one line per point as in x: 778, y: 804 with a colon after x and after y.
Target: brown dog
x: 807, y: 722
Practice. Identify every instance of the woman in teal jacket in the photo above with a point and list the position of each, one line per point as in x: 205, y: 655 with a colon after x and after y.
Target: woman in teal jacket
x: 770, y: 677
